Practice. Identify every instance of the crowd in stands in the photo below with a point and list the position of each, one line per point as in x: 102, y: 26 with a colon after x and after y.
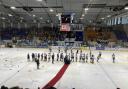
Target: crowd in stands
x: 121, y: 35
x: 32, y: 36
x: 49, y: 36
x: 42, y: 34
x: 105, y: 36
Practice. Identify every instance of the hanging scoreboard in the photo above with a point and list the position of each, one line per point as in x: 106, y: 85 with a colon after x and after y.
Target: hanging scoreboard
x: 65, y: 22
x: 65, y: 27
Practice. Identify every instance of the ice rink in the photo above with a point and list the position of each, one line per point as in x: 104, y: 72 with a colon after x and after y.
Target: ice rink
x: 16, y: 71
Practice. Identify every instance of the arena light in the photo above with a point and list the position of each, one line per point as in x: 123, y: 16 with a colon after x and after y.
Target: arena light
x: 3, y: 18
x: 12, y: 7
x: 51, y: 10
x: 10, y: 15
x: 33, y: 15
x: 39, y: 0
x: 83, y: 15
x: 108, y: 15
x: 57, y: 15
x: 102, y: 18
x: 126, y: 8
x: 86, y: 9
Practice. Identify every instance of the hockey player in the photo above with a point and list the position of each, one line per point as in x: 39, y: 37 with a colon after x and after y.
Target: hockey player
x: 92, y: 59
x: 76, y: 56
x: 45, y: 57
x: 113, y: 57
x: 77, y: 51
x: 69, y: 56
x: 28, y: 57
x: 49, y: 56
x: 37, y: 62
x: 38, y: 55
x: 72, y: 57
x: 33, y: 57
x: 80, y: 56
x: 86, y: 58
x: 53, y: 58
x: 42, y: 56
x: 61, y: 57
x: 71, y: 51
x: 99, y: 56
x: 83, y: 57
x: 57, y: 56
x: 66, y: 60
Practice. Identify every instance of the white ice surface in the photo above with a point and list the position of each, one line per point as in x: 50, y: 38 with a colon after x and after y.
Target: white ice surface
x: 15, y: 70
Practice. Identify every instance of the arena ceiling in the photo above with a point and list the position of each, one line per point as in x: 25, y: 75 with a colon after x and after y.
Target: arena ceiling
x: 85, y: 11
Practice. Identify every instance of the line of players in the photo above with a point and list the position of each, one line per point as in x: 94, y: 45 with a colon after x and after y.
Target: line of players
x: 37, y: 57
